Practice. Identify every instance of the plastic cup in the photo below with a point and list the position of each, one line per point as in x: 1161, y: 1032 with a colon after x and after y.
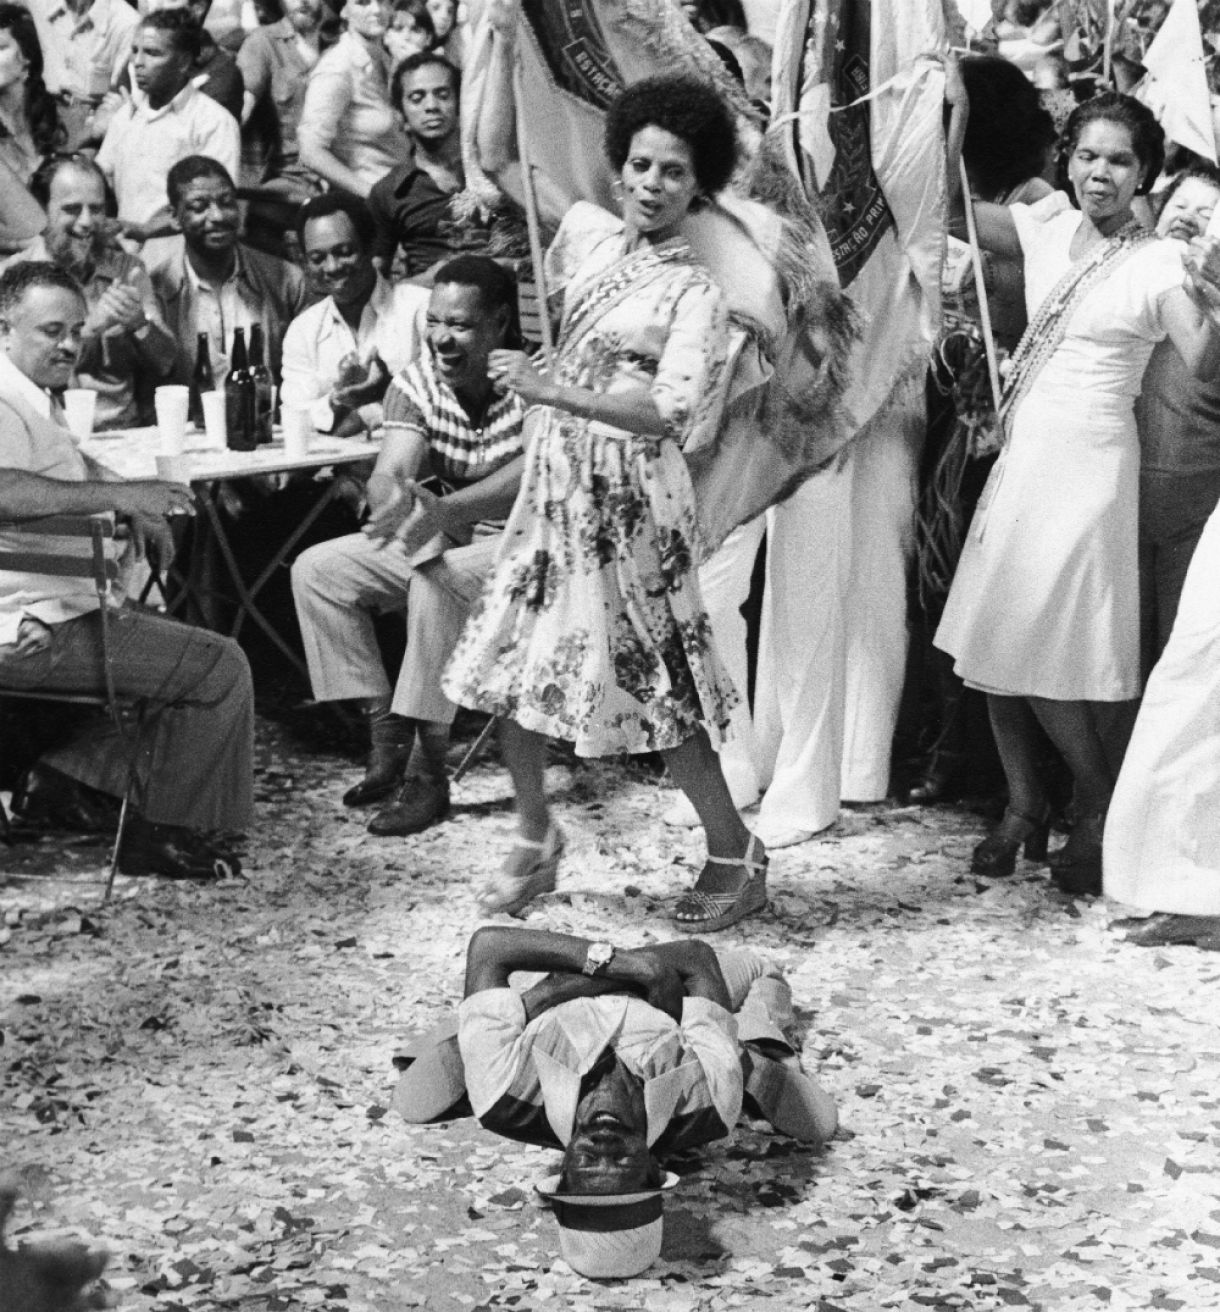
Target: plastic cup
x: 174, y: 469
x: 172, y: 404
x: 298, y: 430
x: 214, y: 423
x: 79, y: 406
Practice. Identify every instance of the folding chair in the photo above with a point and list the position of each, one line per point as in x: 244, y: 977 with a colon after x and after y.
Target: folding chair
x: 100, y: 530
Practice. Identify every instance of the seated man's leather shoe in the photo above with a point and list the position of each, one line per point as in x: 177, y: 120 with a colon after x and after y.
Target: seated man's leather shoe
x: 422, y: 801
x: 46, y: 799
x: 383, y: 773
x: 173, y: 853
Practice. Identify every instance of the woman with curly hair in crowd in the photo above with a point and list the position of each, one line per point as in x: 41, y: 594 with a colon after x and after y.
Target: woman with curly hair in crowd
x: 592, y: 628
x: 1043, y: 614
x: 29, y: 121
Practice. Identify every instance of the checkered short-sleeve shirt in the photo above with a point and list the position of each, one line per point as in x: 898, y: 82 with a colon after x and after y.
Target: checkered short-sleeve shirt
x: 459, y: 452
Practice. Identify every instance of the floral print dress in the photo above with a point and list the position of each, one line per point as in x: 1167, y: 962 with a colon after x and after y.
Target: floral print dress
x: 592, y: 628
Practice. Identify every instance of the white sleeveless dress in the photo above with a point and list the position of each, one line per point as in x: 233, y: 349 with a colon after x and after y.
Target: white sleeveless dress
x: 1045, y: 602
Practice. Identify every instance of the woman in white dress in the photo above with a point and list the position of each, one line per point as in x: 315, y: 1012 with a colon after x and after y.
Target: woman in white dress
x: 1163, y: 830
x: 1043, y: 615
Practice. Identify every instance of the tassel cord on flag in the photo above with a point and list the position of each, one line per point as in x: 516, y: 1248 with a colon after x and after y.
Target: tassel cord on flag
x: 976, y: 259
x: 794, y: 115
x: 532, y: 223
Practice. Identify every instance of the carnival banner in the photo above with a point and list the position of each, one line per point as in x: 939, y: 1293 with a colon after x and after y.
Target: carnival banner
x: 860, y: 108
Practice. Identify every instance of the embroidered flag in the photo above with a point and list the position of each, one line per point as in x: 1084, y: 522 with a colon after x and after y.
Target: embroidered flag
x: 861, y: 113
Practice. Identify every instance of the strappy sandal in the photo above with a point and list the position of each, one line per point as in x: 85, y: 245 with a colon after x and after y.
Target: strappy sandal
x: 698, y: 912
x: 529, y: 870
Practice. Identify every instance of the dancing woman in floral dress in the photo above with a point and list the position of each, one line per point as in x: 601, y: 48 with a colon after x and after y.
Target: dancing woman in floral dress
x: 592, y: 628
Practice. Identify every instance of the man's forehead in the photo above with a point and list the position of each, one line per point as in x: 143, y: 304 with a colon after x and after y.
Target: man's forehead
x: 207, y: 184
x: 427, y: 77
x: 330, y: 230
x: 72, y: 182
x: 153, y: 38
x: 42, y: 305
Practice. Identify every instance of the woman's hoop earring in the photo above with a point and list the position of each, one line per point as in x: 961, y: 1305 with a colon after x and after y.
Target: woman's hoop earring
x: 616, y: 189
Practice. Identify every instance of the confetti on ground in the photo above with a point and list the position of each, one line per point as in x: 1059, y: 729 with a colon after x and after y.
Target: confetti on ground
x: 199, y: 1077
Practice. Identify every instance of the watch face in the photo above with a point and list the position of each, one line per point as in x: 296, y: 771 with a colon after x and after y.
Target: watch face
x: 599, y: 956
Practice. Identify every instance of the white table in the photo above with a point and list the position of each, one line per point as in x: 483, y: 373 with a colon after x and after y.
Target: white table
x: 132, y: 453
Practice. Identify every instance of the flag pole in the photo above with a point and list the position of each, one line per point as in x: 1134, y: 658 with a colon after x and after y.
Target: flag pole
x: 531, y: 218
x: 976, y: 259
x: 1107, y: 44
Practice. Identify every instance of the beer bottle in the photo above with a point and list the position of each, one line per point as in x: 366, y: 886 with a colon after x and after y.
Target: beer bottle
x: 264, y: 388
x: 202, y: 380
x: 240, y: 397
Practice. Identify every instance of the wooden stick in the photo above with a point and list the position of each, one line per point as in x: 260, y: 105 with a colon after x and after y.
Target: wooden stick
x: 1107, y: 43
x: 976, y: 259
x: 531, y: 218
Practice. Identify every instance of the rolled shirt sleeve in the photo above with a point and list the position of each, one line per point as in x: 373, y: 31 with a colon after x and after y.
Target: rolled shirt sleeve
x: 689, y: 372
x: 491, y: 1024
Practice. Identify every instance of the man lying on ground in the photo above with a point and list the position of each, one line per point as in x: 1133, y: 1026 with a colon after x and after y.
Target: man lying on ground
x: 619, y: 1057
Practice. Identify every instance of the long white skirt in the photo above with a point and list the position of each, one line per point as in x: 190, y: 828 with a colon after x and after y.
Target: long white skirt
x: 1162, y: 842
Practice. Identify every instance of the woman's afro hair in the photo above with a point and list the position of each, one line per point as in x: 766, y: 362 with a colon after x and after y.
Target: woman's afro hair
x: 687, y: 107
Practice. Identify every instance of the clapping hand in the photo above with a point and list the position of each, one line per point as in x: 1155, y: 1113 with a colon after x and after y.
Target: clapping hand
x: 361, y: 386
x: 389, y: 510
x: 413, y: 518
x: 118, y: 310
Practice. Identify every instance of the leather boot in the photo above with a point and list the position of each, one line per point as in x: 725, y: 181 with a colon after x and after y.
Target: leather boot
x: 391, y: 739
x: 44, y: 798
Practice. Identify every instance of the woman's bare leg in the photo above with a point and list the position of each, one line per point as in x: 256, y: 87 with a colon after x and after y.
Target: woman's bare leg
x: 525, y: 756
x: 695, y: 768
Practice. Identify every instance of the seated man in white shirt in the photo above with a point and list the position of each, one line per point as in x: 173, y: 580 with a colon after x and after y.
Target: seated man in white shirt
x: 619, y: 1057
x: 194, y: 770
x: 166, y: 120
x: 340, y: 354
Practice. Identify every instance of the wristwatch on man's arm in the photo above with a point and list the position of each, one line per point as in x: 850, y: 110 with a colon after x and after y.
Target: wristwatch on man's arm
x: 598, y: 958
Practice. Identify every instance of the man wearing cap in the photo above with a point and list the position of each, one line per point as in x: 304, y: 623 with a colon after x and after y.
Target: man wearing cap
x: 619, y: 1057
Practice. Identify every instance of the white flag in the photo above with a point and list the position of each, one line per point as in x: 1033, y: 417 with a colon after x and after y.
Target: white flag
x: 1176, y: 87
x: 863, y: 114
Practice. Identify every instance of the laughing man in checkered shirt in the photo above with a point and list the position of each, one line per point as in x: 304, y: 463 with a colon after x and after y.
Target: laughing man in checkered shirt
x: 449, y: 469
